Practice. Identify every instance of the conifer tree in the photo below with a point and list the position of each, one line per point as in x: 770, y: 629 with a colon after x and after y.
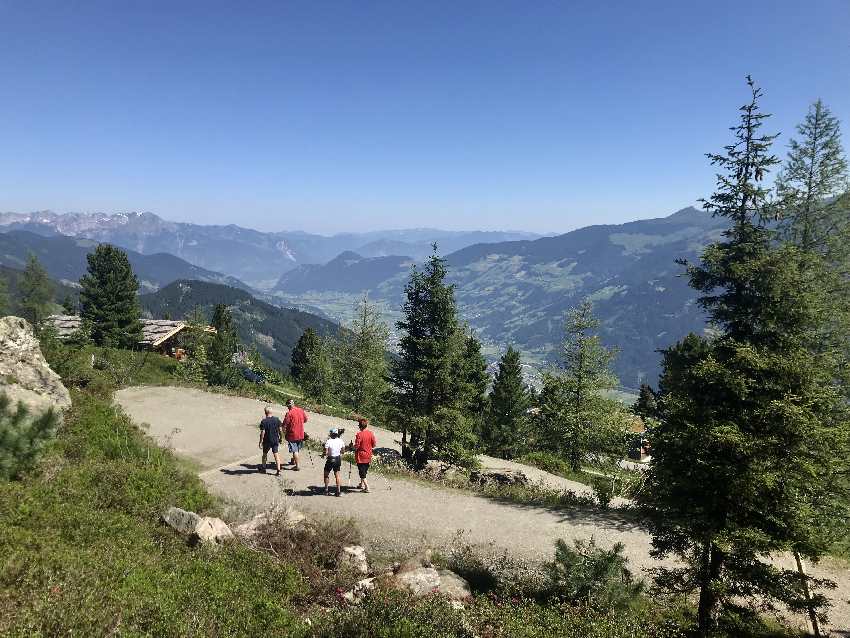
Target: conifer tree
x: 472, y: 378
x: 318, y: 377
x: 36, y: 292
x: 362, y: 362
x: 68, y: 305
x: 646, y: 405
x: 575, y: 412
x: 752, y: 440
x: 223, y: 345
x: 308, y: 343
x: 506, y: 421
x: 813, y: 215
x: 424, y: 400
x: 22, y: 435
x: 109, y: 299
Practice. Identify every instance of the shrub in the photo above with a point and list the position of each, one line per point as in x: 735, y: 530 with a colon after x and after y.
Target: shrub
x: 593, y: 577
x: 22, y: 436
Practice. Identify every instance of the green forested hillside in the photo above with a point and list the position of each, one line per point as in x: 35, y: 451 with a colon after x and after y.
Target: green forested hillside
x: 273, y: 330
x: 11, y: 277
x: 64, y: 258
x: 518, y: 292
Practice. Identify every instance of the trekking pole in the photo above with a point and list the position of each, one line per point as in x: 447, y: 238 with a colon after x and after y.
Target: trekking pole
x: 349, y: 472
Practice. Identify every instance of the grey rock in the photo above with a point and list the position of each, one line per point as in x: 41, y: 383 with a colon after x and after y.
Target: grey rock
x: 199, y: 529
x: 428, y: 580
x: 24, y: 374
x: 498, y: 477
x: 355, y: 556
x: 357, y: 593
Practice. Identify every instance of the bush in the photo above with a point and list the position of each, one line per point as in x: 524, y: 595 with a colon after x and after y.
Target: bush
x: 22, y: 436
x: 593, y: 577
x: 313, y: 547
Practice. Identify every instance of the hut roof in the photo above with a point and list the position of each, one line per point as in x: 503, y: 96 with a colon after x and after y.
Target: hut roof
x: 154, y: 331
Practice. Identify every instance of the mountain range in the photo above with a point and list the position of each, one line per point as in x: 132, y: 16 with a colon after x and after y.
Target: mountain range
x: 518, y: 292
x: 64, y: 259
x: 251, y: 256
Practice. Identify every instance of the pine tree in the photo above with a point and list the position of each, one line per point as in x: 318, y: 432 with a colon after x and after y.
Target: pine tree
x: 362, y: 362
x: 36, y: 292
x: 69, y: 306
x: 318, y: 376
x: 223, y: 345
x: 576, y: 415
x: 750, y: 452
x: 813, y: 215
x: 308, y: 343
x: 646, y: 405
x: 22, y: 436
x: 109, y: 299
x: 424, y: 398
x: 472, y: 380
x: 506, y: 421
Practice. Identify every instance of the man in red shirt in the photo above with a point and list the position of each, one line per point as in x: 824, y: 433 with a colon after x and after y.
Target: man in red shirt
x: 293, y: 424
x: 363, y: 444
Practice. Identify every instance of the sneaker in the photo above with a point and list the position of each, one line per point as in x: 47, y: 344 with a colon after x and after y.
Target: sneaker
x: 277, y: 473
x: 261, y: 469
x: 366, y: 490
x: 296, y: 469
x: 338, y: 494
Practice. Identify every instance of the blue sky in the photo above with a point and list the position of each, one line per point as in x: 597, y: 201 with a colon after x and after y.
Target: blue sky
x: 342, y: 116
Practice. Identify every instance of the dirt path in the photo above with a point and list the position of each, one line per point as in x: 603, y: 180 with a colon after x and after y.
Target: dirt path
x: 220, y: 434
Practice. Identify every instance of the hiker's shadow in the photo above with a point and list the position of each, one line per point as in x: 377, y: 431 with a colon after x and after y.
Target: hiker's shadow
x: 246, y: 468
x: 319, y: 490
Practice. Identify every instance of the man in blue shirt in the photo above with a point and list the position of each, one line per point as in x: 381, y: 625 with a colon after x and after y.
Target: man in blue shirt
x: 270, y: 435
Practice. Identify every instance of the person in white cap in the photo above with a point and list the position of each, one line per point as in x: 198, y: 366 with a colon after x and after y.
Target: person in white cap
x: 334, y: 447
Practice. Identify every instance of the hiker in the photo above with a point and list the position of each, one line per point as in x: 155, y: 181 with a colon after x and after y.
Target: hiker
x: 294, y: 422
x: 270, y: 435
x: 334, y: 447
x: 363, y: 443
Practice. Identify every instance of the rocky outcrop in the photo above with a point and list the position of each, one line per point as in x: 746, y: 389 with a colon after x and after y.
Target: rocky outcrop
x: 355, y: 557
x: 24, y: 374
x: 198, y: 529
x: 498, y: 477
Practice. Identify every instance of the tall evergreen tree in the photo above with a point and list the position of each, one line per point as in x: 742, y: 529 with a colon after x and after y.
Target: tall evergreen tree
x: 362, y: 362
x: 506, y: 420
x: 109, y: 299
x: 318, y: 376
x: 223, y: 345
x: 575, y: 412
x: 472, y: 380
x: 813, y: 215
x: 753, y: 435
x: 646, y: 405
x: 36, y: 292
x: 308, y: 343
x: 424, y: 400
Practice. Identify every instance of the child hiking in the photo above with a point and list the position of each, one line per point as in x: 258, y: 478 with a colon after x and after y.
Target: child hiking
x: 334, y: 447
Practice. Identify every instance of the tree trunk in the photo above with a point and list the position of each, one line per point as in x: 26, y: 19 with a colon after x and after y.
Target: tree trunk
x: 712, y: 562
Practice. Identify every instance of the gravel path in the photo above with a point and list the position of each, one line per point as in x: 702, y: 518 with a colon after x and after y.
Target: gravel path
x: 219, y: 433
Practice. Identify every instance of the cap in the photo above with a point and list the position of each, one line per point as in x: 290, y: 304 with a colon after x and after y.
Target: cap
x: 334, y: 431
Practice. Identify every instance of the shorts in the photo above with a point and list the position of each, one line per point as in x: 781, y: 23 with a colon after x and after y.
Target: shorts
x: 270, y: 446
x: 334, y: 463
x: 295, y: 446
x: 362, y: 468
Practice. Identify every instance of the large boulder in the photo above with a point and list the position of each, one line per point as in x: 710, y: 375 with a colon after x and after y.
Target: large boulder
x: 498, y: 477
x: 429, y: 580
x: 354, y: 556
x: 24, y: 374
x: 199, y: 529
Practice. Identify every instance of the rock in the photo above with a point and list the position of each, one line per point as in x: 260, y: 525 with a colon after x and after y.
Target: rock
x: 386, y: 455
x: 354, y: 555
x: 24, y: 374
x: 440, y: 471
x: 498, y: 477
x: 359, y: 591
x: 419, y: 581
x: 428, y: 580
x: 422, y: 559
x: 287, y: 517
x: 203, y: 529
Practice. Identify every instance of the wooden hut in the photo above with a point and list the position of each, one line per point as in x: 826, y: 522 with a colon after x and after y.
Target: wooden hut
x: 157, y: 334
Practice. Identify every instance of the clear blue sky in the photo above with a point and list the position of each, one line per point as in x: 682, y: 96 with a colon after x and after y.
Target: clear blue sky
x: 328, y: 116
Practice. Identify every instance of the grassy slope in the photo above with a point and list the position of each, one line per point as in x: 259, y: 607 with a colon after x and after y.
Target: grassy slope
x: 82, y: 552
